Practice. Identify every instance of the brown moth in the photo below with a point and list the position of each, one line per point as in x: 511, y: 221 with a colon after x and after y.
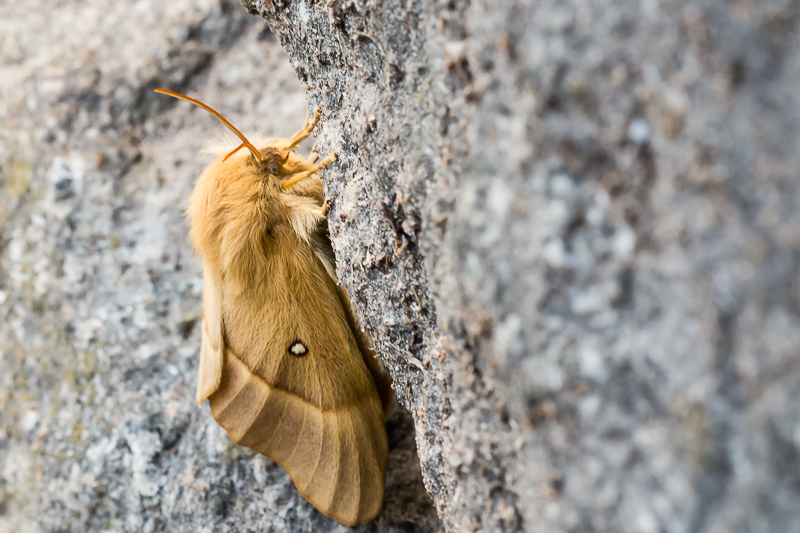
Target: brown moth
x: 283, y: 361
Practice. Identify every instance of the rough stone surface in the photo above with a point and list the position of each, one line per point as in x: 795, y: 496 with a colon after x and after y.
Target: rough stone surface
x: 100, y: 295
x: 573, y: 229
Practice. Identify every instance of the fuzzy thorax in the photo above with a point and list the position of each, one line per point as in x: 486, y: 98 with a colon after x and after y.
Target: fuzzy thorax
x: 238, y: 205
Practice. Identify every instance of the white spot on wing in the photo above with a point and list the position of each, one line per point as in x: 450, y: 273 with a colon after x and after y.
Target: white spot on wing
x: 298, y: 348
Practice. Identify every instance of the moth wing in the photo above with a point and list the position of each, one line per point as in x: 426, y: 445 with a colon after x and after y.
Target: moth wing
x: 294, y: 385
x: 211, y: 346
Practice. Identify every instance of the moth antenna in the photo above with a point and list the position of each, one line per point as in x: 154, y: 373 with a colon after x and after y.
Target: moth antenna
x: 233, y: 152
x: 198, y: 103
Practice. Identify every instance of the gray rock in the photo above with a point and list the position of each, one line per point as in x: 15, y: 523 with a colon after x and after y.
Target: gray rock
x: 580, y: 220
x: 570, y: 227
x: 100, y: 294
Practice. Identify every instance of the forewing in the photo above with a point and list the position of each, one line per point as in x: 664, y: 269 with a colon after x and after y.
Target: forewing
x: 211, y: 345
x: 295, y: 387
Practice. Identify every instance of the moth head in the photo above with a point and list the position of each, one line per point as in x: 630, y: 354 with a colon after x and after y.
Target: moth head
x: 268, y: 160
x: 272, y: 161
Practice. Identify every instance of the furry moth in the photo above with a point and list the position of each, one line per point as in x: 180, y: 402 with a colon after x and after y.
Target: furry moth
x: 283, y: 362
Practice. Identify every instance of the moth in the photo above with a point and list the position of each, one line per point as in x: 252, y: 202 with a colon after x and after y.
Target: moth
x: 284, y: 363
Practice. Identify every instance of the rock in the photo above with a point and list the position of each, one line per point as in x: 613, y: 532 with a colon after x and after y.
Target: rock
x: 100, y: 292
x: 602, y: 286
x: 571, y: 229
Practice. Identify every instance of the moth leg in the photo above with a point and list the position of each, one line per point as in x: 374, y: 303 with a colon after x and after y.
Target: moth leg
x: 326, y: 207
x: 319, y: 166
x: 303, y: 134
x: 285, y: 146
x: 324, y: 163
x: 303, y: 175
x: 294, y: 165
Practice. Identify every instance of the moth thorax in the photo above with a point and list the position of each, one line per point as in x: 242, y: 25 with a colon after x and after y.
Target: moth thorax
x: 298, y: 349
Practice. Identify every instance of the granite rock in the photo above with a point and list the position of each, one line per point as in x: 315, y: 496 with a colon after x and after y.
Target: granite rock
x: 100, y: 292
x: 573, y: 229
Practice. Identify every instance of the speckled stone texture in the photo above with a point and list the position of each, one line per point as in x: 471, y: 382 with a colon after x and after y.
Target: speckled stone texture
x: 573, y: 229
x: 100, y: 294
